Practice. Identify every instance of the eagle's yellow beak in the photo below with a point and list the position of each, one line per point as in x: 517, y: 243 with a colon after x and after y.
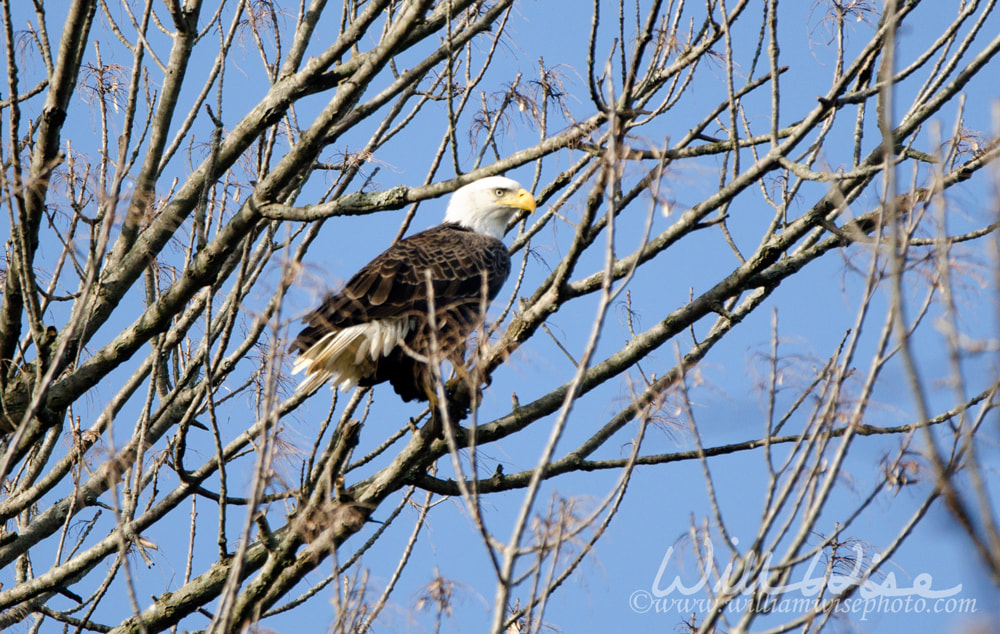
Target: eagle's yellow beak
x: 521, y: 199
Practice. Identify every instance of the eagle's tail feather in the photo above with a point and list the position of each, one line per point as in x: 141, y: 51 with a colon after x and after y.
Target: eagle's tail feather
x: 345, y: 357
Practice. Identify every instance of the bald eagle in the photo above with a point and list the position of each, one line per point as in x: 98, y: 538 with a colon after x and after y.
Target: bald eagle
x: 378, y: 327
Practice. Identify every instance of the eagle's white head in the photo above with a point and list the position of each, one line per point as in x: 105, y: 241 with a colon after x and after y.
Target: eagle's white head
x: 488, y: 204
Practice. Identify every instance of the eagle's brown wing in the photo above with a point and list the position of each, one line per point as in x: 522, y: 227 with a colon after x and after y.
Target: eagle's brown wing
x: 393, y: 285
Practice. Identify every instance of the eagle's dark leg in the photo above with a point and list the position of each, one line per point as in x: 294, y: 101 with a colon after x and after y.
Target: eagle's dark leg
x: 459, y: 394
x: 433, y: 428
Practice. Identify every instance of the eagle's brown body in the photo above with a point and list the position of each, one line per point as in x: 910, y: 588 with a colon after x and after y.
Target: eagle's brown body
x: 378, y: 328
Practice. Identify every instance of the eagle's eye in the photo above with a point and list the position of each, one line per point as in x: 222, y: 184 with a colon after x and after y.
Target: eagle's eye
x: 499, y: 191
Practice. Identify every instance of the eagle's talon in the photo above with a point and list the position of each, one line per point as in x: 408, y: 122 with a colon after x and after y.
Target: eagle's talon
x: 433, y: 429
x: 461, y: 398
